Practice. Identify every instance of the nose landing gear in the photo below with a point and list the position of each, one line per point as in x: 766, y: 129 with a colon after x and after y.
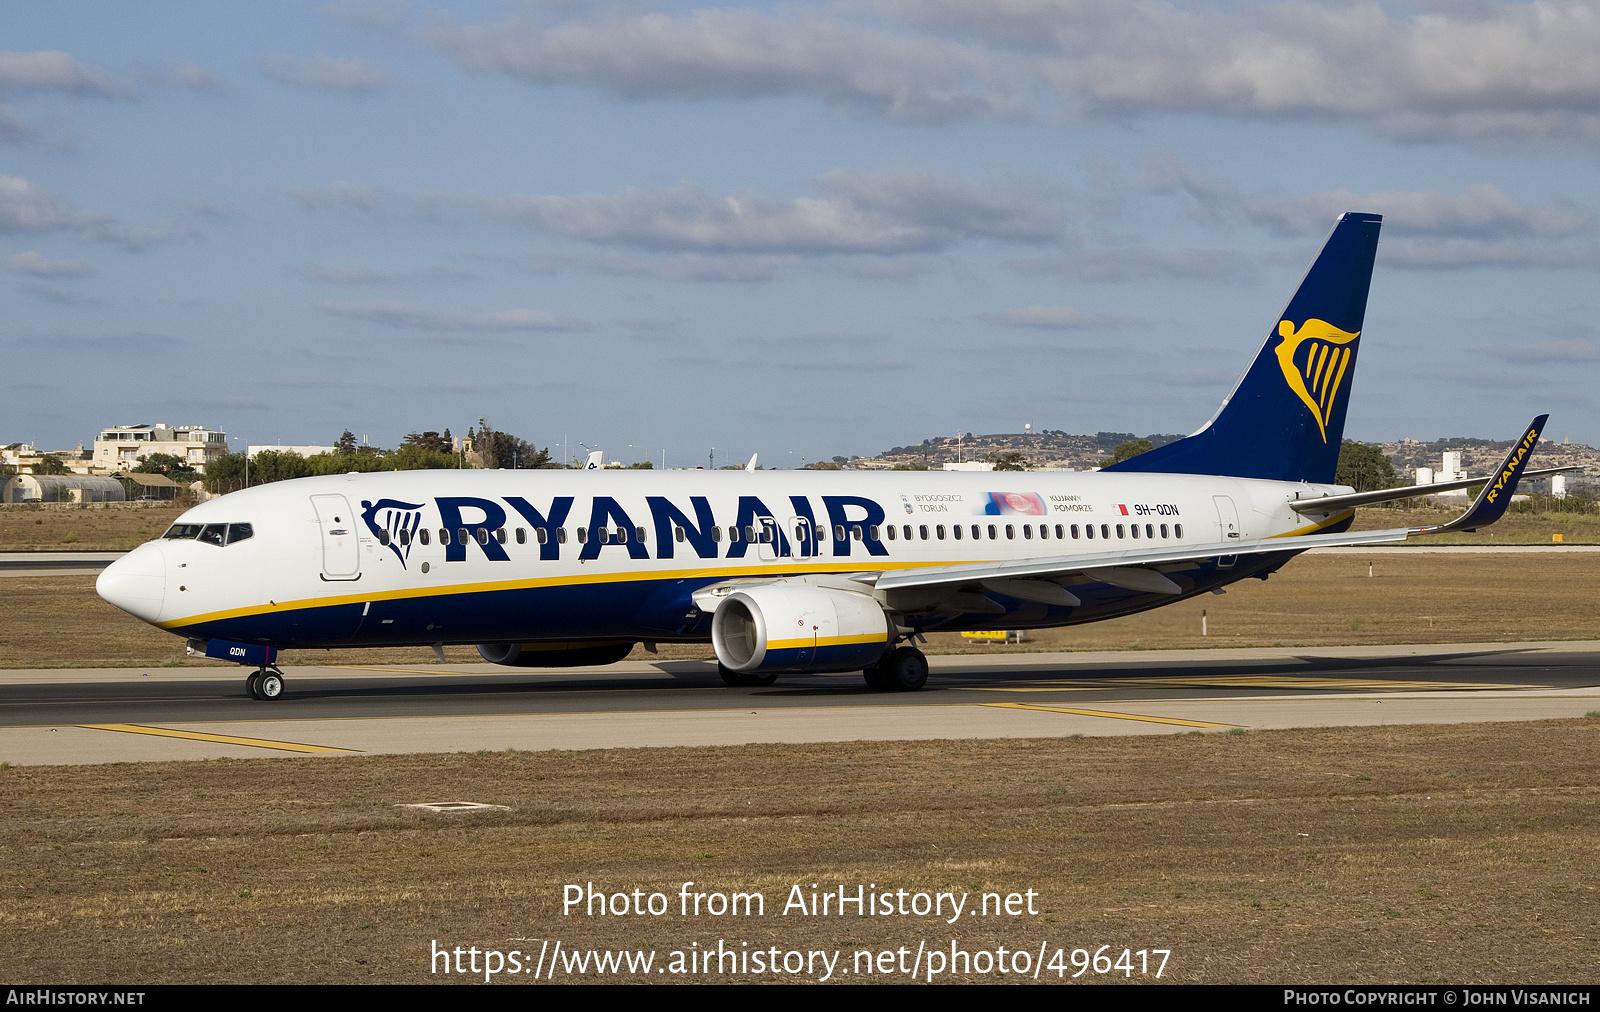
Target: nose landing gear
x: 265, y: 683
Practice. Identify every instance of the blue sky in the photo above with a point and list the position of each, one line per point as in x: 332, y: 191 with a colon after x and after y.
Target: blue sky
x: 799, y: 229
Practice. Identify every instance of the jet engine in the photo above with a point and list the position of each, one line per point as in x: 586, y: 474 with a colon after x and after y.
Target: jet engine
x: 553, y: 655
x: 798, y: 628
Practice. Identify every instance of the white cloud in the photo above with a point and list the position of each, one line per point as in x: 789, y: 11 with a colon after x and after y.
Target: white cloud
x: 403, y: 314
x: 1058, y: 318
x: 195, y: 77
x: 745, y: 54
x: 369, y: 13
x: 31, y: 262
x: 328, y: 73
x: 1465, y: 72
x: 1142, y: 263
x: 58, y: 71
x: 882, y: 213
x: 1571, y: 350
x: 26, y: 207
x: 1450, y: 254
x: 368, y: 276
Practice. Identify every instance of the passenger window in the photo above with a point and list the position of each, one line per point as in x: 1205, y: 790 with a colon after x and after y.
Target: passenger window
x: 1119, y: 530
x: 483, y: 535
x: 1105, y: 530
x: 838, y: 532
x: 956, y: 530
x: 500, y: 535
x: 463, y: 536
x: 1177, y: 530
x: 677, y: 532
x: 975, y: 532
x: 241, y: 532
x: 1135, y: 531
x: 383, y: 538
x: 908, y: 532
x: 1088, y: 531
x: 872, y: 532
x: 750, y: 534
x: 638, y: 535
x: 939, y: 532
x: 716, y: 535
x: 1149, y: 530
x: 766, y: 535
x: 1011, y: 532
x: 1027, y: 531
x: 1044, y: 531
x: 422, y: 535
x: 1059, y: 532
x: 1074, y: 532
x: 603, y: 535
x: 992, y: 534
x: 923, y: 531
x: 444, y: 536
x: 405, y: 537
x: 855, y: 532
x: 891, y: 532
x: 622, y: 536
x: 561, y: 535
x: 543, y: 535
x: 522, y: 535
x: 583, y: 535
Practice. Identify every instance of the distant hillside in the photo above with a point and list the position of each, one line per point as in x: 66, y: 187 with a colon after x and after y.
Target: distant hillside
x: 1052, y: 448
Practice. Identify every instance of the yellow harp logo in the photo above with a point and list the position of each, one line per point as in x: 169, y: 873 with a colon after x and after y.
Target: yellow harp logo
x: 1315, y: 375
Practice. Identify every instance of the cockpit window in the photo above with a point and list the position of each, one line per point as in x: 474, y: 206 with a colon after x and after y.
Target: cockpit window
x: 211, y: 534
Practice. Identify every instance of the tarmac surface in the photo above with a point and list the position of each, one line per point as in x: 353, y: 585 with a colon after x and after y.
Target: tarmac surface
x: 68, y: 716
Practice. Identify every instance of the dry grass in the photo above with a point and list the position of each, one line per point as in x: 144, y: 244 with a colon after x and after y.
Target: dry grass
x: 1462, y: 854
x: 102, y: 527
x: 1315, y: 600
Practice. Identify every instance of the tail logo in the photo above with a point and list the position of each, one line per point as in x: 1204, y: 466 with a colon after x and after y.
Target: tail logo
x: 1315, y: 375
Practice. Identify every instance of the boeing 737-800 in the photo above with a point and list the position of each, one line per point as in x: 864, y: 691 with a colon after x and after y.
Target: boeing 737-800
x: 789, y: 571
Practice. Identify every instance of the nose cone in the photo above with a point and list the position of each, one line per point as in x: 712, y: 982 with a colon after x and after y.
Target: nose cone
x: 136, y: 583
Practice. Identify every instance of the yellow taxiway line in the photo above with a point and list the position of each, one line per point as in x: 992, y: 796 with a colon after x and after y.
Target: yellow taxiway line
x: 1107, y: 713
x: 163, y: 732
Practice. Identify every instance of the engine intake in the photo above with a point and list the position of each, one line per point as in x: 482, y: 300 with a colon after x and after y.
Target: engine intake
x: 783, y: 628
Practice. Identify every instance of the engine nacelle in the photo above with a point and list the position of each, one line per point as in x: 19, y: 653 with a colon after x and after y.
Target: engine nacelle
x: 553, y: 655
x: 798, y: 628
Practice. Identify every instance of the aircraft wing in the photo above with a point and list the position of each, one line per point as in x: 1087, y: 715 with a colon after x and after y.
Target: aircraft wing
x: 1117, y: 567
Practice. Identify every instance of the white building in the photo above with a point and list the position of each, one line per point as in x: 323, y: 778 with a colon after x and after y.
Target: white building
x: 304, y: 451
x: 120, y: 447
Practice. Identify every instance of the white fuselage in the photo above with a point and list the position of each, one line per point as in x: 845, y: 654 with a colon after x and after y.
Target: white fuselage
x: 562, y: 555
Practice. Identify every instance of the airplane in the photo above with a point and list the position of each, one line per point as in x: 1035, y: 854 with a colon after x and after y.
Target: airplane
x: 790, y: 571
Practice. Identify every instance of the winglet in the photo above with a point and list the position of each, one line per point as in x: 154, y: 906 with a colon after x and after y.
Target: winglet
x: 1496, y: 495
x: 752, y: 465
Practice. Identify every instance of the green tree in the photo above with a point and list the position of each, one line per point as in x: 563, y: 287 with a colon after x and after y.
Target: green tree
x: 1008, y: 460
x: 1127, y: 450
x: 1364, y: 468
x: 642, y: 465
x: 429, y: 440
x: 346, y: 445
x: 915, y: 465
x: 278, y: 465
x: 415, y: 457
x: 226, y: 473
x: 51, y: 464
x: 174, y: 467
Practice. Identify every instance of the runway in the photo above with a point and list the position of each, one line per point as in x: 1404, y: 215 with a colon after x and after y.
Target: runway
x: 64, y: 716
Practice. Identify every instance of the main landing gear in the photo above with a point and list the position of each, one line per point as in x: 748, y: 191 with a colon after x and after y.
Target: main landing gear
x: 266, y: 683
x: 904, y: 669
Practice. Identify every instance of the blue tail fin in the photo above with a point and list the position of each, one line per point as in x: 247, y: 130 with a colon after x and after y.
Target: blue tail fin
x: 1285, y: 418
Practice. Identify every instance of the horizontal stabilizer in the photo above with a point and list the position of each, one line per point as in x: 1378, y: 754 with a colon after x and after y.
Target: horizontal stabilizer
x: 1326, y: 503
